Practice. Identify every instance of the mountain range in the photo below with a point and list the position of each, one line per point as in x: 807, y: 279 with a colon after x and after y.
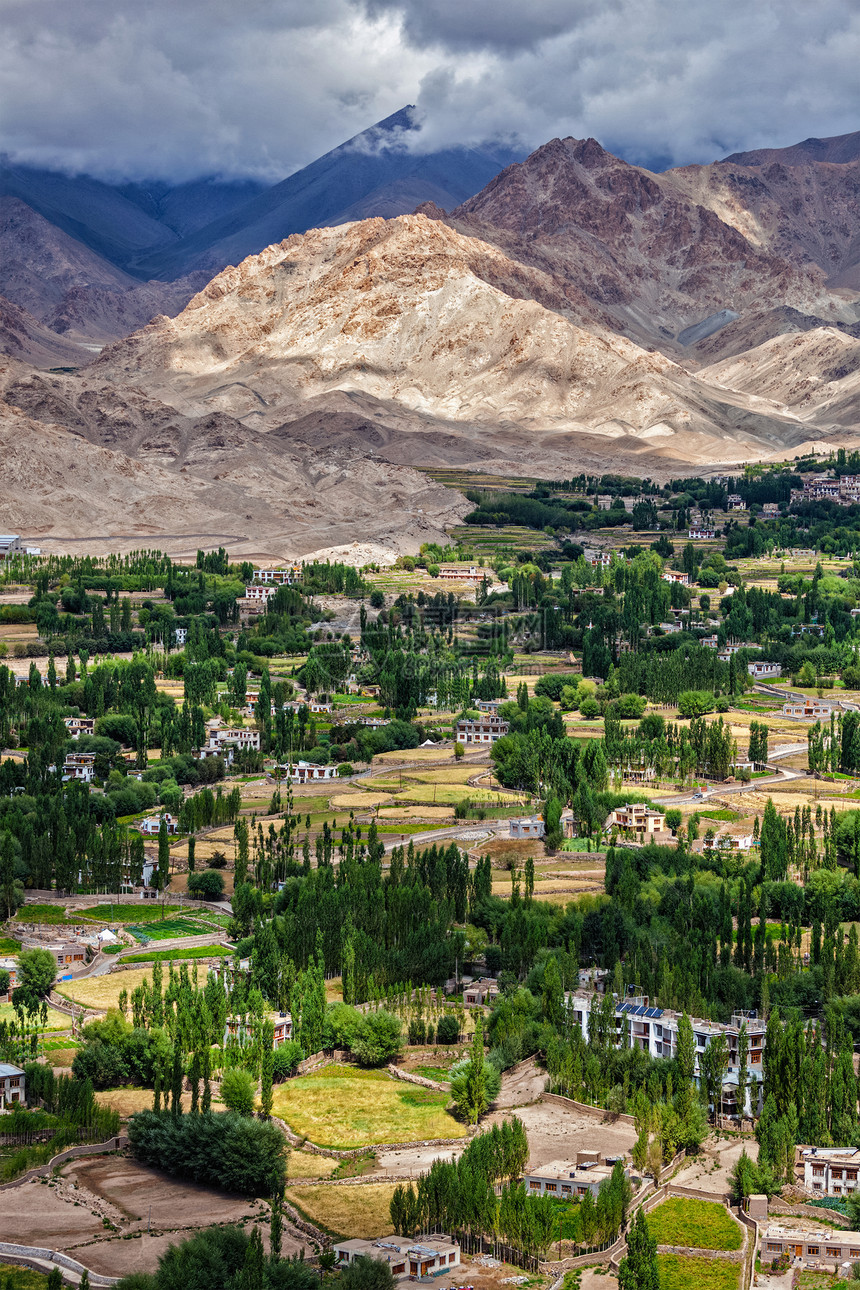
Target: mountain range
x: 279, y: 357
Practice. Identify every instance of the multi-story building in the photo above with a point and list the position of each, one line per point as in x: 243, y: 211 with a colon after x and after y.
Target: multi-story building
x: 78, y: 726
x: 833, y: 1171
x: 478, y: 993
x: 12, y: 1086
x: 80, y: 766
x: 306, y: 772
x: 655, y: 1031
x: 673, y: 575
x: 486, y: 730
x: 636, y: 818
x: 704, y: 533
x: 281, y: 577
x: 260, y: 592
x: 734, y: 502
x: 770, y: 510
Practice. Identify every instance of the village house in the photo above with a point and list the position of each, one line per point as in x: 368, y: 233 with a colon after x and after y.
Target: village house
x: 770, y: 510
x: 810, y: 1247
x: 764, y: 671
x: 420, y: 1256
x: 704, y: 534
x: 261, y: 593
x: 460, y: 573
x: 489, y: 705
x: 567, y: 1180
x: 636, y: 818
x: 809, y: 709
x: 530, y: 826
x: 10, y: 966
x: 78, y: 726
x: 734, y: 502
x: 236, y: 1028
x: 673, y: 575
x: 480, y: 993
x: 735, y: 842
x: 151, y: 826
x: 68, y: 955
x: 305, y: 772
x: 79, y: 766
x: 10, y: 544
x: 603, y: 502
x: 638, y: 774
x: 830, y: 1170
x: 486, y: 730
x: 280, y: 577
x: 320, y: 706
x: 180, y: 637
x: 221, y: 738
x: 12, y: 1086
x: 710, y: 642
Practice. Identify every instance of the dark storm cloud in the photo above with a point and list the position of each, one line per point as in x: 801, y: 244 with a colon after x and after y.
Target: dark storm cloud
x: 177, y: 89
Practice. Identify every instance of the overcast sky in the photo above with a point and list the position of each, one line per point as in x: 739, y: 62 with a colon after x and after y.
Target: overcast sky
x: 180, y: 88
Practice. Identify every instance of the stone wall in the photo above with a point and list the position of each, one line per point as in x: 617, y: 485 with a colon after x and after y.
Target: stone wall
x: 410, y: 1078
x: 596, y: 1112
x: 33, y: 1255
x: 86, y: 1149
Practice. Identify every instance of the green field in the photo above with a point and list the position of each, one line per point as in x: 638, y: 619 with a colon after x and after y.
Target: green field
x: 142, y: 913
x: 169, y: 930
x: 701, y: 1224
x: 679, y: 1273
x: 8, y: 945
x: 172, y: 956
x: 341, y: 1106
x: 45, y: 914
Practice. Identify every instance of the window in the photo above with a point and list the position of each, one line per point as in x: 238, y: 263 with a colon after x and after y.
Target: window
x: 854, y: 1254
x: 832, y: 1252
x: 813, y: 1249
x: 452, y: 1258
x: 816, y: 1186
x: 398, y: 1269
x: 774, y: 1246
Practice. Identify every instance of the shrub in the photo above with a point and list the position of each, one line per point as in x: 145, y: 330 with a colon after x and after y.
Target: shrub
x: 238, y: 1090
x: 218, y: 1149
x: 208, y: 885
x: 285, y: 1060
x: 448, y: 1030
x: 378, y: 1039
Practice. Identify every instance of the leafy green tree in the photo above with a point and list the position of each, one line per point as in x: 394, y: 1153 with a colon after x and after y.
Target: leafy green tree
x: 639, y: 1269
x: 475, y: 1083
x: 379, y: 1038
x: 206, y: 885
x: 238, y: 1090
x: 367, y: 1274
x: 37, y: 970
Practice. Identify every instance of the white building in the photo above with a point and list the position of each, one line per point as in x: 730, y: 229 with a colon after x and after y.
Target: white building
x: 180, y: 636
x: 12, y: 1086
x: 420, y: 1256
x: 306, y: 772
x: 764, y: 671
x: 262, y: 593
x: 705, y: 534
x: 10, y: 544
x: 810, y: 1248
x: 830, y: 1170
x: 281, y: 577
x: 655, y: 1030
x: 78, y: 726
x: 672, y: 575
x: 530, y: 826
x: 79, y: 766
x: 486, y: 730
x: 151, y: 826
x: 569, y: 1180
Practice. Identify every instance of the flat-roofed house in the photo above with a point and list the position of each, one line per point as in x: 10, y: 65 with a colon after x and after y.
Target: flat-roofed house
x: 571, y: 1180
x: 762, y: 671
x: 530, y: 826
x: 478, y: 993
x: 79, y: 766
x: 420, y: 1256
x: 810, y: 1247
x: 832, y: 1171
x: 486, y: 730
x: 636, y: 818
x: 10, y: 544
x: 12, y: 1086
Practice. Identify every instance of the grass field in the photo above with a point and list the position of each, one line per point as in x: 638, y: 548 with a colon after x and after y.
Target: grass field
x: 141, y: 913
x: 8, y: 945
x: 102, y: 992
x: 56, y: 1020
x: 701, y: 1224
x: 679, y: 1273
x: 304, y: 1164
x: 22, y: 1278
x: 344, y: 1107
x: 362, y: 1210
x: 173, y: 956
x: 45, y: 914
x: 169, y: 930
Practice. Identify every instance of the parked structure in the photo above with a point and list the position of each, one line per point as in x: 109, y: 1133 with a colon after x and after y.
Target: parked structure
x: 420, y: 1256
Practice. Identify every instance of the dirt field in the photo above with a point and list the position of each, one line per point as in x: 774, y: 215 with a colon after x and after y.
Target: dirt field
x: 710, y: 1170
x: 557, y: 1133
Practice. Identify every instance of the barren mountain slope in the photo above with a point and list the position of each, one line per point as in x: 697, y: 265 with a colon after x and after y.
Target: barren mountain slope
x: 186, y: 477
x: 803, y: 213
x: 814, y: 374
x: 411, y: 313
x: 836, y: 148
x: 637, y: 243
x: 23, y: 337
